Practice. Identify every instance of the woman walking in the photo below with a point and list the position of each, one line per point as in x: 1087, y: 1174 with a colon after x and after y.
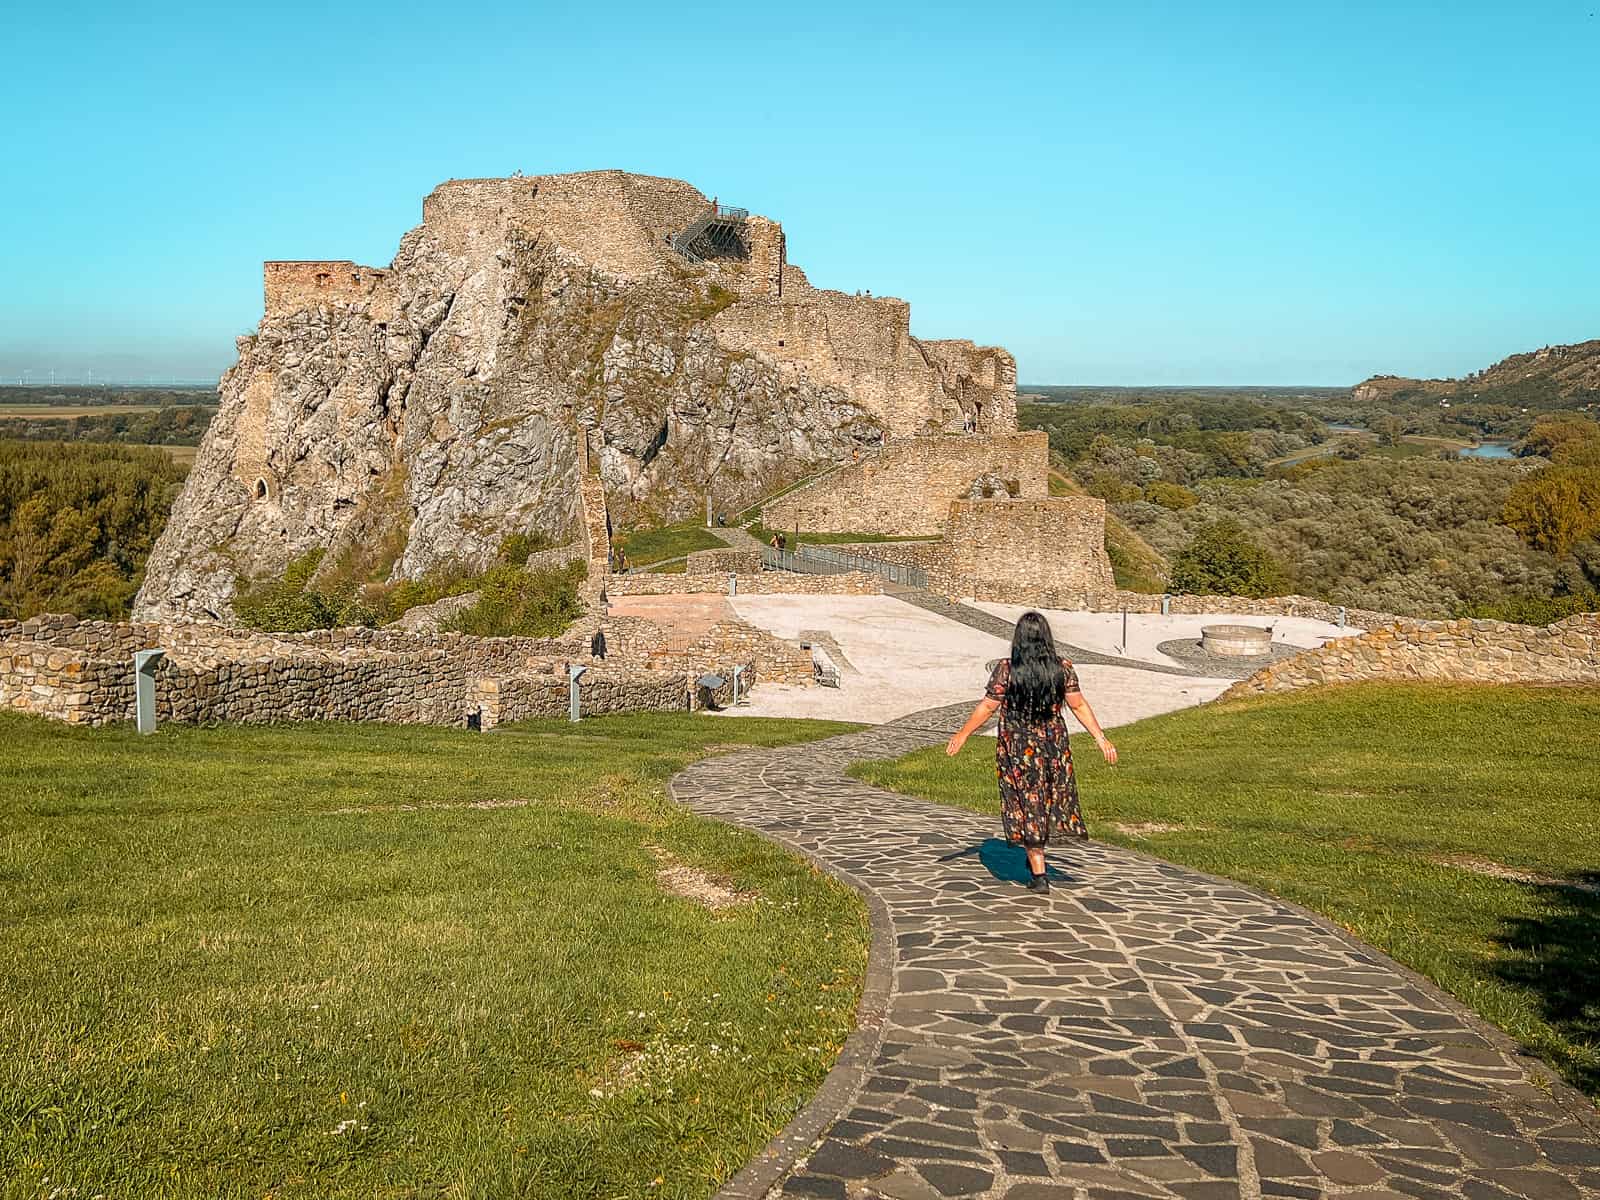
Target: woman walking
x: 1038, y: 787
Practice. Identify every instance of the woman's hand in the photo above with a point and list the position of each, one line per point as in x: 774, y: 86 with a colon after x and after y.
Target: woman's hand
x: 1110, y: 751
x: 953, y: 746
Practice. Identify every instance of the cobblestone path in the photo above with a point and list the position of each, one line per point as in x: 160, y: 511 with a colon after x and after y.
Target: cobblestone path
x: 1141, y: 1032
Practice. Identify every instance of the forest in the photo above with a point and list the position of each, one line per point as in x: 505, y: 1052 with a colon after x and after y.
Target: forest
x: 77, y: 522
x: 1254, y: 493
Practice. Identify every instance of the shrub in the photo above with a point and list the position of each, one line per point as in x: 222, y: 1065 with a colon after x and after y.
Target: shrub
x: 1555, y: 507
x: 520, y: 547
x: 1223, y: 559
x: 514, y: 602
x: 1170, y: 495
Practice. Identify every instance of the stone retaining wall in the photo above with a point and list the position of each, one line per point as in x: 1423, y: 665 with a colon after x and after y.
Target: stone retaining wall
x: 764, y: 583
x: 1459, y: 651
x: 725, y: 562
x: 1272, y: 606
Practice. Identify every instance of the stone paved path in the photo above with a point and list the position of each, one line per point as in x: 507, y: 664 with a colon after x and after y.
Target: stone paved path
x: 1142, y: 1032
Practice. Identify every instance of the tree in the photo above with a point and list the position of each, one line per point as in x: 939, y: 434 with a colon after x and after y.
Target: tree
x: 1553, y: 509
x: 1550, y: 435
x: 1223, y: 559
x: 1389, y: 429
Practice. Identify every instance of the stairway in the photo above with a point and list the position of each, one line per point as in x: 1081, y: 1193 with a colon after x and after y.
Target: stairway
x: 716, y: 233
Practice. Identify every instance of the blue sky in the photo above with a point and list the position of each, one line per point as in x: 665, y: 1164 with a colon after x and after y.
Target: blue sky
x: 1118, y: 192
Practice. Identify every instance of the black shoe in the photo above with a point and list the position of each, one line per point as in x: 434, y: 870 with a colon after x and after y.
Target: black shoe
x: 1040, y: 885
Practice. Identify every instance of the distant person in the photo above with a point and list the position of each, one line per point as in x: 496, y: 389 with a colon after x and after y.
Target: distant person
x: 783, y: 541
x: 776, y: 543
x: 1038, y: 787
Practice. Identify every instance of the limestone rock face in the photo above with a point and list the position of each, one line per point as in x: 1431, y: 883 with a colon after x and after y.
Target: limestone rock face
x: 410, y: 418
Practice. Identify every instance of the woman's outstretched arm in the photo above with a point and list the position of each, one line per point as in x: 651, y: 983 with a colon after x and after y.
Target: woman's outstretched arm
x: 979, y: 718
x: 1080, y: 709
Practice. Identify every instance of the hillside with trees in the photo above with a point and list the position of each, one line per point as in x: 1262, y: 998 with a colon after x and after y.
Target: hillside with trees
x: 77, y: 523
x: 1254, y: 493
x: 1554, y: 377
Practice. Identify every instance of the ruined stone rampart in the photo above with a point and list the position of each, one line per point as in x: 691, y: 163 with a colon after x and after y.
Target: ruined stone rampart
x: 1271, y: 606
x: 1462, y: 651
x: 291, y: 286
x: 81, y: 672
x: 906, y: 489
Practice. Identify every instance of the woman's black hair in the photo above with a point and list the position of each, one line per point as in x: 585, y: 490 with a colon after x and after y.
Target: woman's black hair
x: 1037, y: 684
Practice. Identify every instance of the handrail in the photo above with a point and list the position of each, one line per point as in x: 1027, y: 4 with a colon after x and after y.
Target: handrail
x: 825, y: 560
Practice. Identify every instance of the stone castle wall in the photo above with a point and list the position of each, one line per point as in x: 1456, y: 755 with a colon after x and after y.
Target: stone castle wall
x: 1005, y: 550
x: 1462, y: 651
x: 1049, y: 553
x: 291, y: 286
x: 906, y: 490
x: 81, y: 672
x: 864, y: 346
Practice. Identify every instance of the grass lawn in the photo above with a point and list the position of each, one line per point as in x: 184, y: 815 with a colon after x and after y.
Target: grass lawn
x: 645, y: 546
x: 1351, y: 801
x: 366, y: 961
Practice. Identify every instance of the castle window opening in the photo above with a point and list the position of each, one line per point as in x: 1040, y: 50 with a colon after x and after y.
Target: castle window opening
x: 262, y: 491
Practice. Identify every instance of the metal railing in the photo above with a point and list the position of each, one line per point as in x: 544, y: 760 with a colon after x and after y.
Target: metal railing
x: 684, y: 242
x: 825, y: 560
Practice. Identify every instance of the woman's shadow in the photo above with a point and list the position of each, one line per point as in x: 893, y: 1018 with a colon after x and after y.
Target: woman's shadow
x: 1006, y: 862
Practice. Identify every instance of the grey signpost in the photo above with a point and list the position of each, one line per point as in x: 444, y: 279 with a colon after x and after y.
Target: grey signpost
x: 144, y: 688
x: 737, y: 672
x: 574, y: 673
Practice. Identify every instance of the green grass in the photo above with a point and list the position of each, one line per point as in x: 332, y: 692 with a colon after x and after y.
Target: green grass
x: 645, y: 546
x: 296, y: 962
x: 1349, y: 800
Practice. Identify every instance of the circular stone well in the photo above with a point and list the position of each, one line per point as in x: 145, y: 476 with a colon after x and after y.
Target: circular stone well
x: 1238, y: 641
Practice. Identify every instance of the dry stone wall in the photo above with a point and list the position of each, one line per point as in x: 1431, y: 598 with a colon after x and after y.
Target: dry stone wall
x: 81, y: 672
x: 723, y: 562
x: 1462, y: 651
x: 1272, y: 606
x: 906, y: 489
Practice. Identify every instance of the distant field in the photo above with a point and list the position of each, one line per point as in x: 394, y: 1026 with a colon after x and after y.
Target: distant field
x: 64, y: 411
x: 182, y: 455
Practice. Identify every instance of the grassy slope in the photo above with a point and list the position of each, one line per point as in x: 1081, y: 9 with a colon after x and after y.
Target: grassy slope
x: 1346, y: 799
x: 645, y: 546
x: 1137, y: 565
x: 217, y: 980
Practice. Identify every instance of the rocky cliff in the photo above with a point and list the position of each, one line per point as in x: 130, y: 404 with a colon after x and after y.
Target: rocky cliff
x: 1556, y: 376
x: 411, y: 417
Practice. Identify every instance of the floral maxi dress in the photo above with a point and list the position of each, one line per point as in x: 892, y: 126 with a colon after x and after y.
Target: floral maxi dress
x: 1038, y: 787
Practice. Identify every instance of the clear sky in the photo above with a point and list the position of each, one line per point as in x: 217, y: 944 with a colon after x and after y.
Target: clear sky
x: 1119, y: 192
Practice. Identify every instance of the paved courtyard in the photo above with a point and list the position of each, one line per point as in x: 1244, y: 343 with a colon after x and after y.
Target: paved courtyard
x: 900, y: 659
x: 1144, y: 1031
